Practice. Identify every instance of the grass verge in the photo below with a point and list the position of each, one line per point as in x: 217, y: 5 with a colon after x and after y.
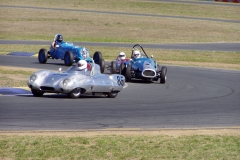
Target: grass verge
x: 44, y: 23
x: 159, y: 144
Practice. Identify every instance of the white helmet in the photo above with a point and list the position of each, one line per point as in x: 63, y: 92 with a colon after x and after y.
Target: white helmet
x: 82, y: 64
x: 136, y: 54
x: 122, y: 55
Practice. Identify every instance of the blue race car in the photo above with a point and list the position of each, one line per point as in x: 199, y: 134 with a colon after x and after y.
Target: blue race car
x: 142, y: 67
x: 68, y: 52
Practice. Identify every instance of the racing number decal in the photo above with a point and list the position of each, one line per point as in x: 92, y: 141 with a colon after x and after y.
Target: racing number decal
x: 120, y: 80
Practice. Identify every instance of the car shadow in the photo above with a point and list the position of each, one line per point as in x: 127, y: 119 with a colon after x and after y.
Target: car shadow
x: 142, y: 81
x: 63, y: 96
x: 51, y: 63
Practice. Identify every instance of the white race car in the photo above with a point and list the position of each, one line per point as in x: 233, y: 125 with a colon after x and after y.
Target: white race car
x: 74, y: 82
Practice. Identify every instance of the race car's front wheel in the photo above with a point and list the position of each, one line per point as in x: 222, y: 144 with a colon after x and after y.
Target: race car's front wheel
x: 112, y: 94
x: 37, y: 93
x: 42, y: 55
x: 102, y: 65
x: 113, y: 67
x: 128, y: 73
x: 163, y: 76
x: 68, y: 58
x: 75, y: 93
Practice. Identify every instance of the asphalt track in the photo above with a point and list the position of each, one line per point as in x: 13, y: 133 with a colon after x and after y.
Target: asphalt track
x: 191, y: 98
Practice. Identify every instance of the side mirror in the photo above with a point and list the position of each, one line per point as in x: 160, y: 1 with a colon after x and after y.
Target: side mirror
x: 151, y: 56
x: 60, y: 70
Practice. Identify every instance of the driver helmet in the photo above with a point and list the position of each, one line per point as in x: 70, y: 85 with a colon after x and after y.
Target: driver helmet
x: 59, y: 38
x: 122, y: 55
x: 136, y: 54
x: 82, y: 64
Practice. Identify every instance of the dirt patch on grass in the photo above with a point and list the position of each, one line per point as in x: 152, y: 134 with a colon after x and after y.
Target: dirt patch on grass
x: 234, y: 131
x: 19, y: 68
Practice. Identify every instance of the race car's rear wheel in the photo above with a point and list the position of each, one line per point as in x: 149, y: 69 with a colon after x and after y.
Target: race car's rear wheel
x: 122, y: 69
x: 68, y: 58
x: 112, y: 94
x: 75, y: 93
x: 163, y: 76
x: 113, y: 67
x: 98, y: 59
x: 37, y: 93
x: 42, y: 55
x: 128, y: 73
x: 102, y: 66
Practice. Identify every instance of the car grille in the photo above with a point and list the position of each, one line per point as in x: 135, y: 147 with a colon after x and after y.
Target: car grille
x: 46, y: 88
x: 149, y: 73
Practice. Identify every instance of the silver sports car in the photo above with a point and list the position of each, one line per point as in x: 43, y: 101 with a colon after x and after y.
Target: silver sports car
x: 75, y: 82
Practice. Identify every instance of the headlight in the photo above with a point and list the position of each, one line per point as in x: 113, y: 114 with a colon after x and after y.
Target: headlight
x: 33, y: 78
x: 65, y: 82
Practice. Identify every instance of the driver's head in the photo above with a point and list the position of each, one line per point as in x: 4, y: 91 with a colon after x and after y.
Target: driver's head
x: 122, y: 55
x: 82, y: 64
x: 59, y: 38
x: 136, y: 54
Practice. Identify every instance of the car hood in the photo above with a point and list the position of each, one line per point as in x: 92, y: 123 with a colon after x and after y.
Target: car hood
x: 50, y: 78
x: 71, y: 46
x: 144, y: 63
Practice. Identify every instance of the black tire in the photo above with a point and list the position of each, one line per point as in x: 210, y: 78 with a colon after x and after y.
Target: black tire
x: 68, y: 58
x: 128, y: 73
x: 75, y: 93
x: 112, y: 94
x: 163, y: 76
x: 37, y: 93
x: 122, y: 69
x: 42, y: 55
x: 98, y: 59
x: 113, y: 67
x: 102, y: 66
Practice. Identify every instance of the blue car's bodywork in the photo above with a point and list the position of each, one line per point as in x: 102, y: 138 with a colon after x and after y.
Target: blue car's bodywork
x: 62, y: 48
x: 70, y: 53
x: 145, y: 67
x: 65, y: 51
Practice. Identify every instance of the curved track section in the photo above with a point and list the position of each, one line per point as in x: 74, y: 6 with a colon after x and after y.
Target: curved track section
x: 192, y: 97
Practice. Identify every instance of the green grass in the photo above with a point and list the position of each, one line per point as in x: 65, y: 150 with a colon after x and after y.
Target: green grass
x: 15, y: 72
x: 120, y: 147
x: 14, y: 77
x: 34, y: 24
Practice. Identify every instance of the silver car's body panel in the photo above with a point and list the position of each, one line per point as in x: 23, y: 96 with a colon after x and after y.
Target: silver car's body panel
x: 89, y: 81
